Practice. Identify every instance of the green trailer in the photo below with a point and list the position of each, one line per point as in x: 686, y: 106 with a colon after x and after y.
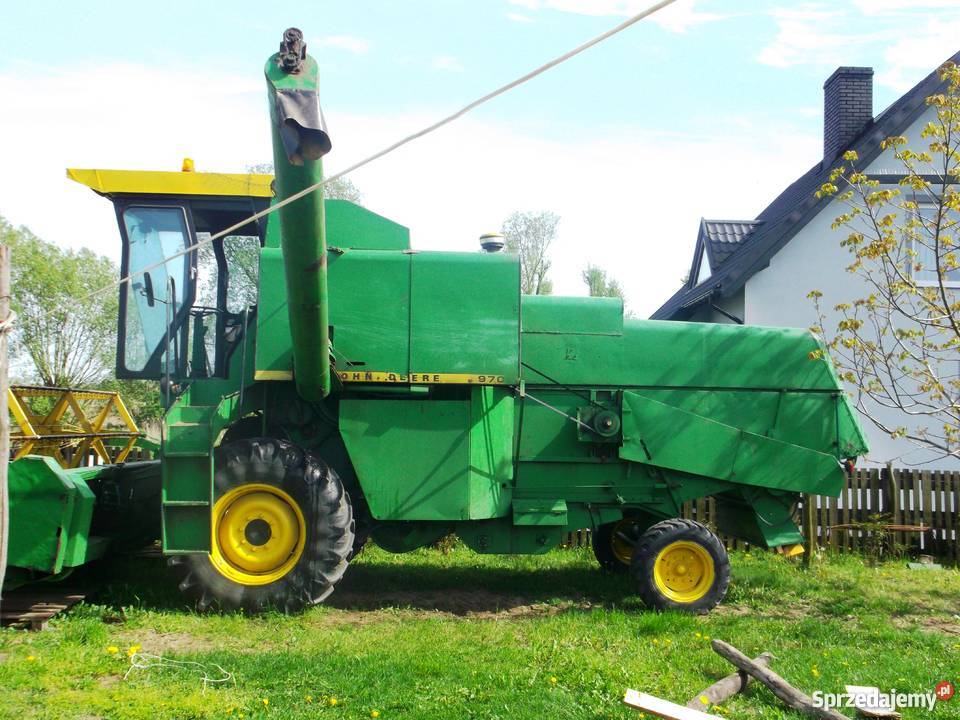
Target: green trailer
x: 327, y: 384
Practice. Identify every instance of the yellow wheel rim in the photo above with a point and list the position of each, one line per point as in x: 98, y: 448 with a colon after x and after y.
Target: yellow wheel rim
x: 684, y: 571
x: 258, y: 534
x: 621, y: 548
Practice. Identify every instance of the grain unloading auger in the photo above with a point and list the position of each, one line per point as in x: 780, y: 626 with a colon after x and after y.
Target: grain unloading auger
x: 327, y: 383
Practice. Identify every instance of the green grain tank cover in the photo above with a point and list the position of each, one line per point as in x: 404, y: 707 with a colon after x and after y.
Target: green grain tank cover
x: 398, y: 312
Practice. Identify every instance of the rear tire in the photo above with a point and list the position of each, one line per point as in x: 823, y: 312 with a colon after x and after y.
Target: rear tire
x: 614, y: 543
x: 283, y: 530
x: 680, y: 565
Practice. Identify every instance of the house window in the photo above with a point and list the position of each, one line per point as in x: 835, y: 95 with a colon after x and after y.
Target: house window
x: 926, y: 275
x: 704, y: 272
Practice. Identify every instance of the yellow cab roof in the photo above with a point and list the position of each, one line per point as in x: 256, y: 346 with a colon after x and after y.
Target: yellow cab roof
x: 152, y: 182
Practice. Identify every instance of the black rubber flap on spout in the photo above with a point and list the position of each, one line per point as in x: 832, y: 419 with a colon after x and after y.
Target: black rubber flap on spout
x: 301, y: 126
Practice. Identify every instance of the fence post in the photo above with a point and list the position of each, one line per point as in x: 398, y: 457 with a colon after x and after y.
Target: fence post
x: 809, y: 529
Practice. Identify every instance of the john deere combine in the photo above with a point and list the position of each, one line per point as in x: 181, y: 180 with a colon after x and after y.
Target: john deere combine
x: 326, y: 383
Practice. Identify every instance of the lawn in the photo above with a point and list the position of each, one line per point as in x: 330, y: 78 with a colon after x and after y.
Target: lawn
x: 458, y: 635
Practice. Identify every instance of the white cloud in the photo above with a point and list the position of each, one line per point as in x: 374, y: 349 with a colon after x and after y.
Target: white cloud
x: 805, y: 35
x: 912, y: 36
x: 677, y: 17
x: 350, y: 43
x: 447, y: 62
x: 633, y: 210
x: 912, y: 55
x: 890, y: 7
x: 517, y: 17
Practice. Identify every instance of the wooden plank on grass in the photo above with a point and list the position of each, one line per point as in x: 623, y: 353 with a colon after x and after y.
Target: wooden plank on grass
x: 662, y: 708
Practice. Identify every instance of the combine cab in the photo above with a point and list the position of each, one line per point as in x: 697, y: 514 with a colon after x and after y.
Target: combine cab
x: 325, y: 382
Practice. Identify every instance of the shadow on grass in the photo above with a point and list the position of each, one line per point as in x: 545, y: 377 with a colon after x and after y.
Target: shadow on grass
x: 463, y: 590
x: 417, y: 583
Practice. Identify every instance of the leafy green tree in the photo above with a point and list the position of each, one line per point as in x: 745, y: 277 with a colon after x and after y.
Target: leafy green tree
x: 898, y: 344
x: 599, y: 284
x: 529, y: 235
x: 60, y: 338
x: 338, y: 189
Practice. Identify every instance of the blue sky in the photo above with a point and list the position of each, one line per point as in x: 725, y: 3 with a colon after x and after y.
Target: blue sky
x: 708, y: 109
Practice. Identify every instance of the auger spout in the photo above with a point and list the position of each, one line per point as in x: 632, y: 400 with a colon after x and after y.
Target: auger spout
x: 299, y: 143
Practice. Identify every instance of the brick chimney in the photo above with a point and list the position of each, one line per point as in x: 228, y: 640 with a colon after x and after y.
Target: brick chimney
x: 847, y: 108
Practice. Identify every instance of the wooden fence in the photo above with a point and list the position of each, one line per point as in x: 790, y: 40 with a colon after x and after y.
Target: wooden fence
x: 920, y: 506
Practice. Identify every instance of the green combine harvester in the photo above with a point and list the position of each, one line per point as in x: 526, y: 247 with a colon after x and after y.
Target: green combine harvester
x: 326, y: 384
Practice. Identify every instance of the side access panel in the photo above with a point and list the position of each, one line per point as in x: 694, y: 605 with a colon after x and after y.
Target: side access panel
x: 655, y: 433
x: 433, y: 459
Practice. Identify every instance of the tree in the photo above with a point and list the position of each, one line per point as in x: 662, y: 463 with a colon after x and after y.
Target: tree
x: 899, y: 344
x: 61, y: 337
x: 529, y: 235
x: 599, y: 285
x: 337, y: 189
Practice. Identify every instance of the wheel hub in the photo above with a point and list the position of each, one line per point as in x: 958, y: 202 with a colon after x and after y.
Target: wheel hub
x: 259, y: 534
x: 684, y: 571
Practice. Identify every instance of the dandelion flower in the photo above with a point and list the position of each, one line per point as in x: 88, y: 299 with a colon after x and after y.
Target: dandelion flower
x: 704, y: 699
x: 113, y: 649
x: 553, y: 680
x: 265, y: 701
x: 133, y: 650
x: 814, y: 671
x: 374, y: 713
x: 332, y: 701
x: 309, y: 698
x: 30, y: 658
x: 655, y: 641
x: 697, y: 635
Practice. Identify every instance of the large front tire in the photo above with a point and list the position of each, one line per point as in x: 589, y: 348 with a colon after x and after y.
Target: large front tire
x: 282, y: 535
x: 680, y: 565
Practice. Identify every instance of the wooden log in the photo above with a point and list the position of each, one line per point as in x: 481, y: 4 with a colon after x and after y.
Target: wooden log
x: 727, y: 687
x: 778, y: 686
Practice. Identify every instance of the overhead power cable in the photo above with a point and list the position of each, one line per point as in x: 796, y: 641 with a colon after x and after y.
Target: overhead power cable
x: 385, y: 151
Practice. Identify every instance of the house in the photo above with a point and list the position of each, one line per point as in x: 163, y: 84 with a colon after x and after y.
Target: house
x: 760, y: 271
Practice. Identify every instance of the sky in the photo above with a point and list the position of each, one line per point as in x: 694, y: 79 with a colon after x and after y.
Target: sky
x: 707, y: 109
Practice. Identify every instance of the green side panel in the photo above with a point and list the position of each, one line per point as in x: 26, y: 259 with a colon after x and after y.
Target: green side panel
x: 465, y: 314
x: 273, y: 352
x: 758, y: 516
x: 432, y: 460
x: 664, y: 436
x: 352, y: 226
x: 580, y: 315
x: 491, y: 451
x: 653, y: 353
x: 370, y: 310
x: 50, y: 513
x: 542, y: 511
x: 502, y: 537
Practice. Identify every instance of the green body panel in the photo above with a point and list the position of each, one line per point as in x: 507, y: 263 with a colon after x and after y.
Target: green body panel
x: 432, y: 459
x: 723, y: 451
x: 352, y: 226
x: 50, y: 513
x: 372, y: 324
x: 465, y: 314
x: 572, y: 315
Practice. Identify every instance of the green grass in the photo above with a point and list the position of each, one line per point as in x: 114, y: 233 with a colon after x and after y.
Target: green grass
x: 427, y: 635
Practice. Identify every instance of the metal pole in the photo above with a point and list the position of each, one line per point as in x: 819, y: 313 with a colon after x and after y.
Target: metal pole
x: 4, y: 410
